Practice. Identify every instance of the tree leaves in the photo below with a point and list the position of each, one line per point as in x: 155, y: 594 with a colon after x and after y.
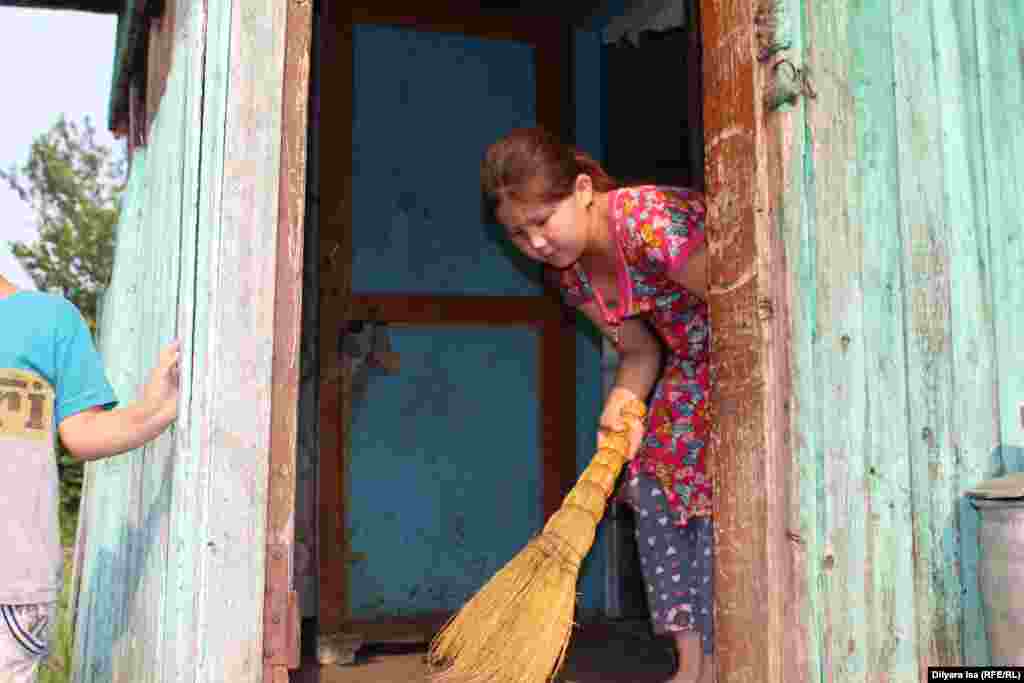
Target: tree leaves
x: 73, y: 185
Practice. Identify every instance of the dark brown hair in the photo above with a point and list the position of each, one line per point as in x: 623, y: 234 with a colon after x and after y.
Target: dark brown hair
x: 531, y: 164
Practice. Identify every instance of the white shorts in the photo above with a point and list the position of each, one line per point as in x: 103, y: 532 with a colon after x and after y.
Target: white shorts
x: 24, y: 640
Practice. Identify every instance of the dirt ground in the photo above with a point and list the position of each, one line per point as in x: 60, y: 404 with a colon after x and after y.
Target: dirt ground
x: 608, y: 652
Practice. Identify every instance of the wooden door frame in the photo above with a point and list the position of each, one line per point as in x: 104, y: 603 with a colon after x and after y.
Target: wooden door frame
x: 760, y: 556
x: 281, y: 617
x: 551, y: 41
x: 760, y: 592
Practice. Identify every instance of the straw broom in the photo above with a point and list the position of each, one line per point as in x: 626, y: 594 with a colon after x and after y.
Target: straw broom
x: 516, y: 629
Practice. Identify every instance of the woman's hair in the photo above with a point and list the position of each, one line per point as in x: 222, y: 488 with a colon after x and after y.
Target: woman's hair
x: 531, y: 164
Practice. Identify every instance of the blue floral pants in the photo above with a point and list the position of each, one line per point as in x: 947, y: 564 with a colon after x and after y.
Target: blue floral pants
x: 677, y: 563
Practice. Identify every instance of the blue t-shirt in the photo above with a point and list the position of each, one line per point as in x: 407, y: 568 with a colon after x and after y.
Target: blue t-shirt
x: 49, y: 371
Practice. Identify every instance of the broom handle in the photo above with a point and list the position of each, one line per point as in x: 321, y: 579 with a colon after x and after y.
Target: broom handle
x: 596, y: 483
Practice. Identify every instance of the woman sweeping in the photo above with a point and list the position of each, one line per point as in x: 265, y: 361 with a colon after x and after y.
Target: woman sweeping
x: 633, y: 260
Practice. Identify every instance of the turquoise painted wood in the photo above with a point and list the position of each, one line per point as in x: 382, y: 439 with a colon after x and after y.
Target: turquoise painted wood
x: 1000, y: 31
x: 902, y: 222
x: 172, y: 578
x: 890, y: 641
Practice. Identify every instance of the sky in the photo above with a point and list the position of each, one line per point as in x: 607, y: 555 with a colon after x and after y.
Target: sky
x: 43, y: 77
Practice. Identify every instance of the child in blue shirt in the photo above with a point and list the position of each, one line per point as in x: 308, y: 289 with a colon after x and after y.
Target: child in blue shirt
x: 52, y: 382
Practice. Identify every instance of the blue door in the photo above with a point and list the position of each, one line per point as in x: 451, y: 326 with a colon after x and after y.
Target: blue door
x: 444, y: 472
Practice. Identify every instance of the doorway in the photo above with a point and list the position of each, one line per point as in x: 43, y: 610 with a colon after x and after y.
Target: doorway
x: 670, y: 160
x: 662, y: 145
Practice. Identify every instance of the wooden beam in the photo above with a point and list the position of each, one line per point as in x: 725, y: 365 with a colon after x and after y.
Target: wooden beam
x: 457, y: 17
x: 97, y: 6
x: 281, y: 625
x: 556, y: 111
x: 335, y: 223
x: 159, y: 56
x: 426, y: 309
x: 553, y: 67
x: 557, y: 406
x: 132, y: 30
x: 748, y: 450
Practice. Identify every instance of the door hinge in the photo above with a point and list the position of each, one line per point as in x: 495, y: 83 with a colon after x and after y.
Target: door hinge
x: 282, y: 620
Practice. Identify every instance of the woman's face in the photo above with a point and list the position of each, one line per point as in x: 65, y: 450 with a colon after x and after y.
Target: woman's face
x: 555, y: 233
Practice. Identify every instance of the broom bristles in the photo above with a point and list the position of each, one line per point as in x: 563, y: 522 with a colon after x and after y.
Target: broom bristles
x: 516, y: 629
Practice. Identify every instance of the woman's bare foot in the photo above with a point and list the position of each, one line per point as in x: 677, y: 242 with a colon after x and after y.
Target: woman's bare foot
x: 691, y: 658
x: 707, y: 669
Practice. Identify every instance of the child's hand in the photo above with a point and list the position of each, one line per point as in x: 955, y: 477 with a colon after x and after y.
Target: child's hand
x: 611, y: 418
x: 162, y: 390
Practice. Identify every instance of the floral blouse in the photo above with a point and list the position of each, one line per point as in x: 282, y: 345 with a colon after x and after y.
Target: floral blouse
x: 656, y: 230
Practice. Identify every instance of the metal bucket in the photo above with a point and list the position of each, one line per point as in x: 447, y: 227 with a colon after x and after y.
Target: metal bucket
x: 1000, y: 503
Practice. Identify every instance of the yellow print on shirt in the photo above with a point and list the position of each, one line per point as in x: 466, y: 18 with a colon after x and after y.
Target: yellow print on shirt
x: 26, y: 405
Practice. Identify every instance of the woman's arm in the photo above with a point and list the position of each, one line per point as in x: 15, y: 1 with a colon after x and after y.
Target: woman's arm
x: 639, y: 368
x: 693, y: 274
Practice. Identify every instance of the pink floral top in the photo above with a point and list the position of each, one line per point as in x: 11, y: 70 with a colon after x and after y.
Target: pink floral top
x: 656, y: 230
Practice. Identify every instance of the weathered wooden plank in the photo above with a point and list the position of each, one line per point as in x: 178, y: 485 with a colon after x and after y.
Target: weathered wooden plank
x: 925, y: 234
x: 280, y: 638
x: 131, y: 37
x: 307, y: 524
x: 1000, y: 29
x: 839, y: 350
x: 241, y: 341
x: 128, y: 654
x: 209, y: 263
x: 335, y: 221
x: 179, y: 615
x: 428, y: 309
x: 205, y: 388
x: 100, y: 614
x: 146, y: 529
x: 975, y: 380
x: 888, y: 572
x: 796, y: 219
x: 750, y: 469
x: 791, y: 315
x: 160, y: 55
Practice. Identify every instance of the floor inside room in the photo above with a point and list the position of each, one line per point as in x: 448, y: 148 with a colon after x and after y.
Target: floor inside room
x: 600, y: 652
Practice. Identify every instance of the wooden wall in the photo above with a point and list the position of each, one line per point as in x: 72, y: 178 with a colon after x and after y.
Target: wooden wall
x: 172, y: 578
x: 900, y: 195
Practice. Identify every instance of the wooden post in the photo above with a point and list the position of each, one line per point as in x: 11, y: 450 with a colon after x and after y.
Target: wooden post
x: 335, y: 221
x: 280, y: 607
x: 749, y: 448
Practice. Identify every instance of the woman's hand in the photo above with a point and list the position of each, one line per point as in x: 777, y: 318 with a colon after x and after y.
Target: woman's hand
x: 612, y: 418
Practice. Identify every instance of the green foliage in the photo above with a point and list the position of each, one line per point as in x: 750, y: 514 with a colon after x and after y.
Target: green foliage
x: 57, y: 667
x: 73, y: 185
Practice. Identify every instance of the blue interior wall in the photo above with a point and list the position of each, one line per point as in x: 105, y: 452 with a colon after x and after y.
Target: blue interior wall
x: 426, y: 106
x: 418, y: 228
x: 447, y: 466
x: 445, y: 458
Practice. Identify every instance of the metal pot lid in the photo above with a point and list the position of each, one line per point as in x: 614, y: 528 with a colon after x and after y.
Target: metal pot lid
x: 1009, y: 486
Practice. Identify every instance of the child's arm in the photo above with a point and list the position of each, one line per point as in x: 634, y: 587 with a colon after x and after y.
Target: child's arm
x: 96, y: 433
